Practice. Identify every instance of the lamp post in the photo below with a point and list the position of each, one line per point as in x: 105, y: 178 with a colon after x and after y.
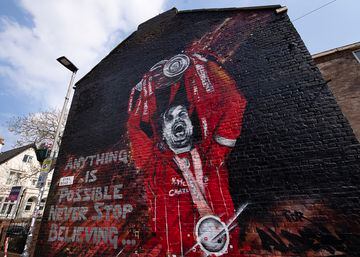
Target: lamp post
x: 46, y: 166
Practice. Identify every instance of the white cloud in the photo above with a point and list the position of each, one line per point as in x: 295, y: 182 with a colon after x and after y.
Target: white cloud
x: 83, y: 30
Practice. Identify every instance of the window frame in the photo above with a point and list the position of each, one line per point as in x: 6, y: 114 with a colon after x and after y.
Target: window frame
x: 10, y: 209
x: 356, y: 56
x: 7, y: 208
x: 3, y: 209
x: 42, y: 204
x: 27, y: 158
x: 29, y: 204
x: 10, y: 179
x: 34, y: 182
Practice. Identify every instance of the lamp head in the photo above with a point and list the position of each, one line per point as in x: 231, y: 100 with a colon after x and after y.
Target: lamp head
x: 67, y: 63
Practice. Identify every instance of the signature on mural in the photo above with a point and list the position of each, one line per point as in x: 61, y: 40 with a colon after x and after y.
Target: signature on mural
x: 185, y: 116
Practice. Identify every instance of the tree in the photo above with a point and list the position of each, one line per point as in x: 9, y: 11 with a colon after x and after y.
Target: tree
x: 38, y: 128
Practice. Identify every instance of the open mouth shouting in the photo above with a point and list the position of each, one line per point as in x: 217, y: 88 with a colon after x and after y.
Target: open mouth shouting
x: 179, y: 130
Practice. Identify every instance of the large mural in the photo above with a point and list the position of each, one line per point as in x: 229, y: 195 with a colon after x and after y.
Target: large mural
x: 187, y: 170
x: 182, y: 126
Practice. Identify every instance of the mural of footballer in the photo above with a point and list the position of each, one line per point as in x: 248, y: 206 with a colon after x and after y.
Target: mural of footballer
x: 185, y: 116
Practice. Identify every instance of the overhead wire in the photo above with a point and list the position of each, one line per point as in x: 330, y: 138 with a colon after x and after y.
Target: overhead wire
x: 306, y: 14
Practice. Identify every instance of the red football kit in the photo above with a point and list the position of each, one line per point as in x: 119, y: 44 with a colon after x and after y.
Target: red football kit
x: 184, y: 187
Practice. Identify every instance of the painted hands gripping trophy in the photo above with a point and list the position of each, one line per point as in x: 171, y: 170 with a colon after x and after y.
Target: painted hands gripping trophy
x: 184, y: 118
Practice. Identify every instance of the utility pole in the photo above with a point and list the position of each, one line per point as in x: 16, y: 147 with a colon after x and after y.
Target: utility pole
x: 47, y: 163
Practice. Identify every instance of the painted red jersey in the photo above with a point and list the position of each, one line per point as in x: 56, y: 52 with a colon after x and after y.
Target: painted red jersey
x: 212, y: 96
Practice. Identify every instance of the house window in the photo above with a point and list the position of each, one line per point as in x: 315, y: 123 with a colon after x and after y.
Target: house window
x: 27, y: 158
x: 357, y: 55
x: 7, y: 208
x: 42, y: 204
x: 3, y: 208
x: 13, y: 178
x: 30, y: 203
x: 10, y: 208
x: 1, y: 202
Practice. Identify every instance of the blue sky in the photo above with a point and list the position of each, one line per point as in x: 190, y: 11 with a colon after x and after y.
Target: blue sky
x: 33, y: 33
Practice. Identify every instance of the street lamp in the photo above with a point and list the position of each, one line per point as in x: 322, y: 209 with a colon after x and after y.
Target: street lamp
x: 70, y: 66
x: 67, y: 63
x: 46, y: 166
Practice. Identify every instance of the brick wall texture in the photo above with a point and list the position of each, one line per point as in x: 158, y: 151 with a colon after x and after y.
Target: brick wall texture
x: 205, y: 133
x: 342, y: 70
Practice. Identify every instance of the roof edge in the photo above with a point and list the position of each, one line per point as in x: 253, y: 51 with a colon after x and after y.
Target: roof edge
x: 174, y: 10
x: 78, y: 82
x: 260, y: 7
x: 7, y: 155
x: 337, y: 49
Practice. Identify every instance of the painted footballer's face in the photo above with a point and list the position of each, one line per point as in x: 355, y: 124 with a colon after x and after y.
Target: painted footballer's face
x: 177, y: 129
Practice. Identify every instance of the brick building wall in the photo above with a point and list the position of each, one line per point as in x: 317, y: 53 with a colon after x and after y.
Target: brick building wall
x: 205, y: 132
x: 342, y: 69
